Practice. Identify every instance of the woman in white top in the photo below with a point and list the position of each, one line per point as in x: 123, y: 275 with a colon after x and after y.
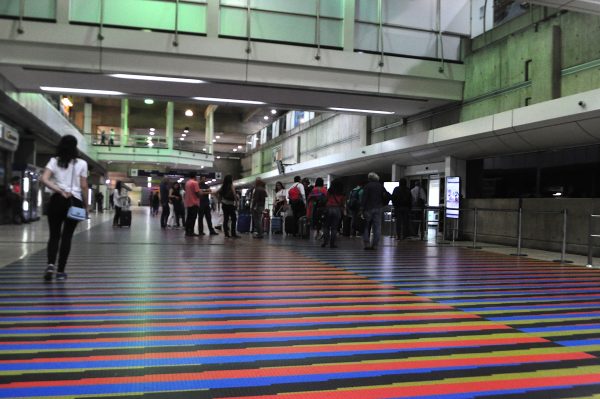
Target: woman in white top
x: 280, y: 199
x: 66, y: 175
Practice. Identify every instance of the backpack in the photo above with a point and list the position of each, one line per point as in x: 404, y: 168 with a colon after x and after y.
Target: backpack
x: 353, y: 202
x: 294, y: 194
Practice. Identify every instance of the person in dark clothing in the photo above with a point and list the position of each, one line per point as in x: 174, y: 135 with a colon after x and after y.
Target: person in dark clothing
x: 402, y: 201
x: 228, y: 198
x: 297, y: 198
x: 373, y: 199
x: 258, y: 206
x: 177, y: 201
x: 100, y: 202
x: 164, y: 202
x: 335, y: 210
x: 155, y: 203
x: 204, y: 211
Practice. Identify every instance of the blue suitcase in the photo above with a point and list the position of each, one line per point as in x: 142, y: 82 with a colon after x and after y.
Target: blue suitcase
x: 276, y: 225
x: 244, y: 222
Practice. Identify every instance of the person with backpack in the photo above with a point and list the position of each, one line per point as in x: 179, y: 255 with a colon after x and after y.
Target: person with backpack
x: 316, y: 205
x: 402, y: 201
x: 353, y: 209
x: 297, y: 198
x: 334, y: 208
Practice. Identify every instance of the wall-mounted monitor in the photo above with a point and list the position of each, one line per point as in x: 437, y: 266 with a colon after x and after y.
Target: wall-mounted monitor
x: 389, y: 187
x: 280, y: 167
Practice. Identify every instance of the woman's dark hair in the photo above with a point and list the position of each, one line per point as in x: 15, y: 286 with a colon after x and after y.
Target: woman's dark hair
x: 176, y: 184
x: 280, y: 183
x: 227, y: 184
x: 319, y: 182
x: 118, y: 186
x: 66, y: 150
x: 336, y: 187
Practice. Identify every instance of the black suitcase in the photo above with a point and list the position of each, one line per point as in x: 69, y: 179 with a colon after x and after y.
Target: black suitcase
x: 303, y: 227
x: 125, y: 219
x: 290, y: 225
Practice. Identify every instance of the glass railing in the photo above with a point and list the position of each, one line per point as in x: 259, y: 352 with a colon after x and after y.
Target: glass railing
x: 141, y: 141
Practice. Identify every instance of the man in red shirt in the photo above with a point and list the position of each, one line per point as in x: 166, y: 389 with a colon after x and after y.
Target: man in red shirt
x: 191, y: 200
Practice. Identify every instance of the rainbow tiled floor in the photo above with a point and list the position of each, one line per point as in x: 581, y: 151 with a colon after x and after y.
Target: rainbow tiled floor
x: 148, y: 313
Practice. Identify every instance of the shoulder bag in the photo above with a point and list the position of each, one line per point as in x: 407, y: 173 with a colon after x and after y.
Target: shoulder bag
x: 75, y: 212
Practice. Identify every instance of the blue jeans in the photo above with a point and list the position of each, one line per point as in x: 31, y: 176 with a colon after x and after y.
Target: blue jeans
x: 372, y: 223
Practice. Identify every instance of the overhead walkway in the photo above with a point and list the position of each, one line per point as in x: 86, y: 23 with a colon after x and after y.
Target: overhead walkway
x: 148, y: 312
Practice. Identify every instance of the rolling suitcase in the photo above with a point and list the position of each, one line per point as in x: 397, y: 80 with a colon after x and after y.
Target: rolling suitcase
x: 303, y: 227
x: 290, y: 225
x: 244, y: 222
x: 125, y: 219
x: 276, y: 225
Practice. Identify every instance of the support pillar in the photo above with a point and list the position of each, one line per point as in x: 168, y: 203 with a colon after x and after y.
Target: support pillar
x: 209, y: 127
x: 349, y: 16
x: 62, y: 11
x: 124, y: 123
x: 87, y: 121
x: 212, y: 18
x: 398, y: 172
x: 169, y: 128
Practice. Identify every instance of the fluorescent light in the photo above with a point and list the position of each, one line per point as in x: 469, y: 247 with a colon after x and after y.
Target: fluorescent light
x: 227, y: 100
x: 81, y: 91
x: 368, y: 111
x: 149, y: 101
x: 149, y: 185
x: 214, y: 140
x: 155, y: 78
x: 189, y: 112
x: 66, y: 102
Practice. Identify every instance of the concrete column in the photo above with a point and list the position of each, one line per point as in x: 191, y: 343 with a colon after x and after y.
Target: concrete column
x: 457, y: 167
x: 209, y: 127
x: 212, y: 18
x: 546, y: 65
x: 87, y: 120
x: 62, y: 11
x: 26, y: 153
x: 365, y: 133
x: 349, y: 16
x: 124, y: 122
x: 169, y: 128
x: 398, y: 172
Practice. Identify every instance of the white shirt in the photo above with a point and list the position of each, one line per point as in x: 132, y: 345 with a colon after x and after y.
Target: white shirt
x: 68, y: 179
x: 281, y: 195
x: 418, y: 192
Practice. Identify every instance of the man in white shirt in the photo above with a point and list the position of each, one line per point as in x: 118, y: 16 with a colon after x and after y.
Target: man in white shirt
x: 297, y: 198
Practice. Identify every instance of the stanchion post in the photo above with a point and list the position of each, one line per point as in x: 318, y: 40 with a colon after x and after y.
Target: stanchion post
x: 590, y: 238
x: 519, y: 232
x: 475, y: 229
x: 563, y: 251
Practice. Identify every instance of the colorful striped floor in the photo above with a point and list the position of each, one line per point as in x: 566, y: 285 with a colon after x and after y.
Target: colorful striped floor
x: 146, y: 312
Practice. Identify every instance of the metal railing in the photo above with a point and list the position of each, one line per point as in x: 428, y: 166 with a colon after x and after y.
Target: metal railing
x: 141, y: 141
x: 454, y: 229
x: 591, y: 236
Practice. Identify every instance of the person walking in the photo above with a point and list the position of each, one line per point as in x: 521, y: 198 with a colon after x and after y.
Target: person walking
x: 317, y: 198
x: 164, y: 189
x: 191, y: 200
x: 334, y: 208
x: 177, y: 202
x: 419, y: 201
x: 402, y: 201
x: 258, y: 206
x: 228, y: 198
x: 119, y: 197
x: 373, y: 199
x: 297, y: 198
x: 66, y: 175
x: 204, y: 210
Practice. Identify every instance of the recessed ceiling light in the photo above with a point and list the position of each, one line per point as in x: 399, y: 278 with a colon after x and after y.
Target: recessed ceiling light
x: 204, y: 149
x: 186, y: 130
x: 214, y: 141
x: 368, y: 111
x: 155, y: 78
x: 189, y: 112
x: 81, y: 91
x: 273, y: 111
x: 151, y: 133
x: 149, y: 101
x: 218, y: 137
x: 227, y: 100
x: 235, y: 150
x: 240, y: 147
x: 184, y: 135
x: 218, y: 157
x: 181, y: 138
x: 266, y: 117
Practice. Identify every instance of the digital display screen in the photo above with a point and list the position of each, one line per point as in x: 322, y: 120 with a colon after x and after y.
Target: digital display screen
x: 452, y: 196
